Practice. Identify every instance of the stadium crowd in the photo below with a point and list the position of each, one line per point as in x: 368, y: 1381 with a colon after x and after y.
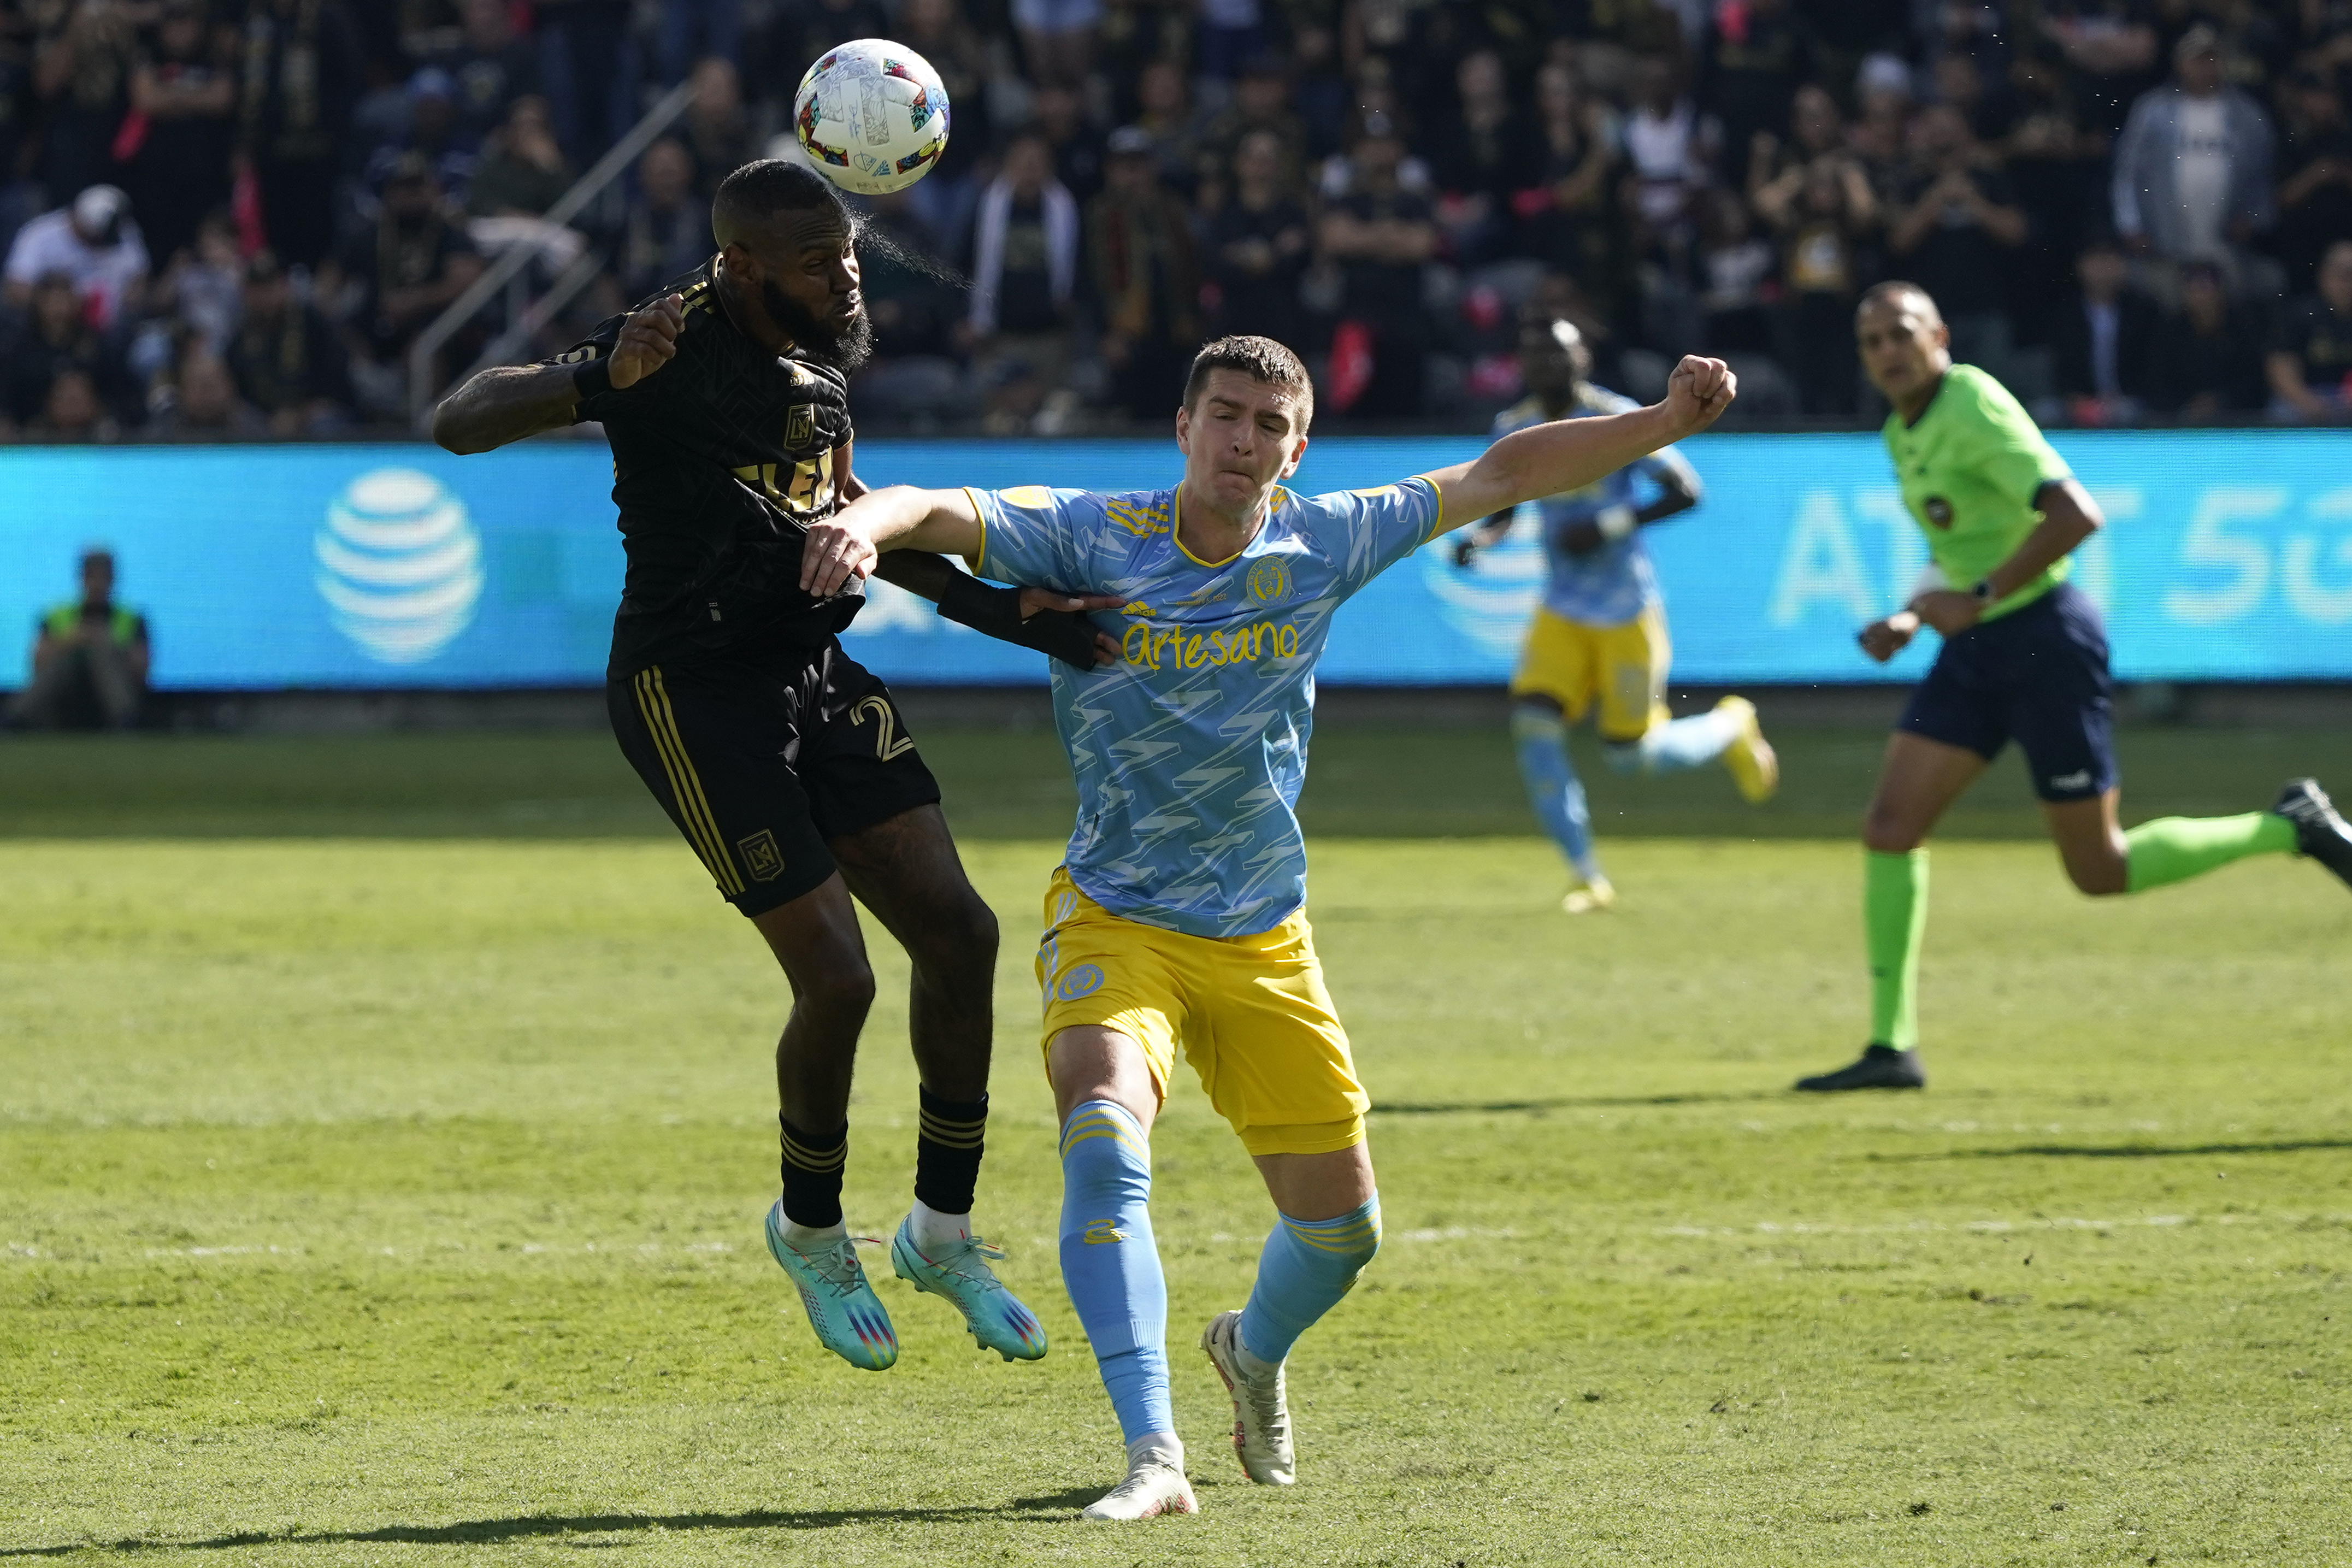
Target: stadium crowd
x: 234, y: 217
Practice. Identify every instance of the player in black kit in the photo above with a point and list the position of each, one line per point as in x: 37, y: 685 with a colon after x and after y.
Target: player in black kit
x: 785, y: 764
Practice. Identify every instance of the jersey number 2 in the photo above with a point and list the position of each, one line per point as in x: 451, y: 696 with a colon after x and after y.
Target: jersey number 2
x: 888, y: 743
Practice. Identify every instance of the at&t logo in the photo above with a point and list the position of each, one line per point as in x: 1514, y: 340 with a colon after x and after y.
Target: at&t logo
x: 399, y: 565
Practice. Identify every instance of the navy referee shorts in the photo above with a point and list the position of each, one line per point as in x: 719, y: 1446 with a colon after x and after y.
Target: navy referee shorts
x: 2037, y: 675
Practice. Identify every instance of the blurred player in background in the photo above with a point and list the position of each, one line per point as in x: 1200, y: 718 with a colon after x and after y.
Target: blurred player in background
x: 2024, y: 659
x: 1178, y: 918
x: 1600, y: 632
x: 784, y: 763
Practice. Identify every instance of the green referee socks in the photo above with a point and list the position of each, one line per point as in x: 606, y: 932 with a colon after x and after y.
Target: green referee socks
x: 1894, y: 924
x: 2175, y: 848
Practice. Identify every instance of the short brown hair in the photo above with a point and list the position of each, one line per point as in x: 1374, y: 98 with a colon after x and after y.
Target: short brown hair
x: 1260, y: 359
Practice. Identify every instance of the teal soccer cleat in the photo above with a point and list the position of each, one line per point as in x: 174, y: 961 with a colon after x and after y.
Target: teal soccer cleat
x: 841, y: 1305
x: 962, y: 1273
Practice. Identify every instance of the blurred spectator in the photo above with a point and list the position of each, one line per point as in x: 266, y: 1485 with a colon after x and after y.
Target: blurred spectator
x: 667, y: 230
x: 802, y: 30
x: 2109, y: 48
x: 2058, y: 171
x: 286, y: 359
x: 1879, y: 135
x: 97, y: 248
x: 697, y: 30
x: 1232, y: 31
x: 1166, y: 113
x: 2314, y: 198
x: 1815, y: 131
x: 1317, y: 88
x: 588, y: 68
x: 198, y: 297
x: 1480, y: 153
x: 1565, y: 215
x: 1024, y: 264
x: 491, y: 66
x: 1061, y: 118
x: 404, y: 271
x: 177, y: 140
x: 433, y: 134
x: 1953, y: 235
x: 1381, y: 236
x: 302, y: 80
x: 1735, y: 275
x: 715, y: 129
x: 916, y: 311
x: 523, y: 172
x: 204, y: 401
x: 1753, y: 57
x: 2101, y: 339
x: 81, y: 77
x: 75, y: 410
x: 1257, y: 247
x: 2192, y: 170
x: 91, y: 659
x: 1058, y: 37
x: 1147, y: 278
x: 2310, y: 364
x: 1671, y: 146
x: 56, y: 339
x: 2206, y: 362
x: 1260, y: 102
x: 1822, y: 212
x: 1960, y: 81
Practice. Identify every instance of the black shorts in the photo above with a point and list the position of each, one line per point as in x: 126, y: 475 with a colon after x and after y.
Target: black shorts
x: 2037, y: 675
x: 761, y: 759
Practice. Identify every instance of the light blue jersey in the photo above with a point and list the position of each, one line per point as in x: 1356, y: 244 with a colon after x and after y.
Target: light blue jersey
x: 1190, y: 751
x: 1616, y: 583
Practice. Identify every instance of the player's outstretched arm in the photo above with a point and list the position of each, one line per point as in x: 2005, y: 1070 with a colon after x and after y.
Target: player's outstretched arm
x: 1569, y: 454
x: 847, y: 544
x: 1039, y: 618
x: 507, y: 403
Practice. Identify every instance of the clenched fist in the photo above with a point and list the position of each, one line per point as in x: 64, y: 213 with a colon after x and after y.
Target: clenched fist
x: 1699, y: 392
x: 649, y: 340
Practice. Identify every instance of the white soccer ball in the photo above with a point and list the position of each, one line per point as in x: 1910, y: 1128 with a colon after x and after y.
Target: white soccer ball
x: 872, y: 116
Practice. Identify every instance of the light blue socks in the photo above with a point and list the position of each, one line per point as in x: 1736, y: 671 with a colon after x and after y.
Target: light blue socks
x: 1553, y: 789
x: 1306, y: 1266
x: 1111, y: 1265
x: 1671, y: 747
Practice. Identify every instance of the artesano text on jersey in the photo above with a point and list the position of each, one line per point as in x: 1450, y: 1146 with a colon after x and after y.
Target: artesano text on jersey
x: 1188, y: 752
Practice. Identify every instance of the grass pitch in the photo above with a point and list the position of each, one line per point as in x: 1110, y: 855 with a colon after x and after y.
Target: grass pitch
x: 385, y: 1127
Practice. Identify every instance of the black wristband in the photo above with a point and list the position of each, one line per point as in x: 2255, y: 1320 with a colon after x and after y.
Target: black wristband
x: 592, y: 378
x: 1062, y: 634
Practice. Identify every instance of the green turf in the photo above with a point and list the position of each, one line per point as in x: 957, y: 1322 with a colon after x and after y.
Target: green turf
x: 385, y: 1189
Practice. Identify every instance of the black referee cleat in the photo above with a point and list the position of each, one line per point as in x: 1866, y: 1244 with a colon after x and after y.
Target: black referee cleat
x: 1881, y: 1066
x: 2319, y: 832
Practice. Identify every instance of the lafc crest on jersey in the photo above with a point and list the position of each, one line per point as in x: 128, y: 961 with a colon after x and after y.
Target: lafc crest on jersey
x: 799, y: 426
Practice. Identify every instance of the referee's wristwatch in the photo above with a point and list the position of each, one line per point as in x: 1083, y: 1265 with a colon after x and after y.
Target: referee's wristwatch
x: 1982, y: 593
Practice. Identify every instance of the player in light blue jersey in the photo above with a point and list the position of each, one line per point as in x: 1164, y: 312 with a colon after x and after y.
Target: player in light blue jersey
x: 1600, y: 636
x: 1178, y: 917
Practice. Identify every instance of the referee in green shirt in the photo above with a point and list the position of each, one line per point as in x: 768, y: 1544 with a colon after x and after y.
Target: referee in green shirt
x: 2024, y: 659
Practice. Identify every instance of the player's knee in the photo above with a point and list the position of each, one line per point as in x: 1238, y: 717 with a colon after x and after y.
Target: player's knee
x: 1623, y: 756
x: 842, y: 988
x: 1887, y: 830
x: 959, y: 936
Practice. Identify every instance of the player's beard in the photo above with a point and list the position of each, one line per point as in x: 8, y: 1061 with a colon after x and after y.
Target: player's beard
x: 846, y: 348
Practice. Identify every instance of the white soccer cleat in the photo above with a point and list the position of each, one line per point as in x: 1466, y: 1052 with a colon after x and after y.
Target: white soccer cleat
x: 1261, y: 1416
x: 1155, y: 1485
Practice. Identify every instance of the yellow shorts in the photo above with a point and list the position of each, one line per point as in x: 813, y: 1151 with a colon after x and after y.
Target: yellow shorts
x: 1625, y: 666
x: 1251, y: 1012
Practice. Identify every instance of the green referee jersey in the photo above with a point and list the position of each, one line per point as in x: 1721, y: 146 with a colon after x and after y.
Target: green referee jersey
x: 1971, y: 468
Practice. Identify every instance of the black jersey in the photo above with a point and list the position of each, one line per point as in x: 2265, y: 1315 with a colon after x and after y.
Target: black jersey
x: 716, y: 456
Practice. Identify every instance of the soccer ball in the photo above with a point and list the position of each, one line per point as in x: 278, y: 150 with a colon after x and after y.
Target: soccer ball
x: 872, y: 116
